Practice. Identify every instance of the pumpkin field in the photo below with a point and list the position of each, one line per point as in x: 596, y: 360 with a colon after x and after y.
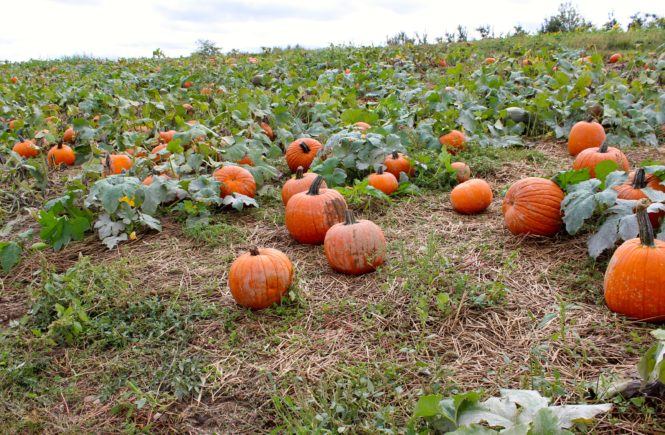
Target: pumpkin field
x: 416, y: 238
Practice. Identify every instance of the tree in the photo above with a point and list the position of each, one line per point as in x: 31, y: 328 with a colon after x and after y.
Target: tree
x: 462, y: 33
x: 207, y: 48
x: 611, y: 23
x: 647, y: 21
x: 484, y: 31
x: 519, y: 31
x: 568, y: 19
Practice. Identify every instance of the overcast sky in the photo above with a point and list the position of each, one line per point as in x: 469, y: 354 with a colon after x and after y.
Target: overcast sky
x: 41, y: 29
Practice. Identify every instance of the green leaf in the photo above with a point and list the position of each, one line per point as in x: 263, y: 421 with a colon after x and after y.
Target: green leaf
x: 545, y: 423
x: 10, y: 255
x: 568, y: 178
x: 351, y: 116
x: 603, y: 169
x: 428, y: 406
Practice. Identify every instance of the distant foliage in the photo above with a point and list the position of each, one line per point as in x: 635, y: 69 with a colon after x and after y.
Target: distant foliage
x: 207, y: 48
x: 646, y: 21
x: 568, y: 19
x: 400, y: 38
x: 485, y: 31
x: 518, y: 30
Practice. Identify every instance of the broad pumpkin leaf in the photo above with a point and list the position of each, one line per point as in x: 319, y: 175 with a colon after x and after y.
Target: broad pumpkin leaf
x: 10, y: 255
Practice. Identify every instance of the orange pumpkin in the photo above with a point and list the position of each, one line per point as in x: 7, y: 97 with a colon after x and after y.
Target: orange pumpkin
x: 463, y: 171
x: 397, y: 163
x: 590, y: 157
x: 159, y: 157
x: 69, y: 135
x: 61, y: 155
x: 309, y: 215
x: 235, y: 179
x: 188, y: 108
x: 300, y: 183
x: 187, y: 84
x: 471, y: 197
x: 384, y: 181
x: 115, y: 164
x: 526, y: 62
x: 259, y: 278
x: 453, y: 141
x: 246, y: 160
x: 655, y: 183
x: 585, y: 134
x: 632, y: 190
x: 490, y: 60
x: 616, y: 57
x: 267, y: 130
x: 533, y: 206
x: 26, y: 149
x: 151, y: 178
x: 14, y: 79
x: 442, y: 63
x: 634, y: 279
x: 301, y: 152
x: 362, y: 126
x: 354, y: 247
x: 166, y: 136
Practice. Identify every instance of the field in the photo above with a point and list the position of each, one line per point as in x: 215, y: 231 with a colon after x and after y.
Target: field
x: 115, y: 313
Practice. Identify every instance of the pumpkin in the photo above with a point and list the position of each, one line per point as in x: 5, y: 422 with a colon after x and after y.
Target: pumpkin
x: 462, y: 171
x: 188, y: 108
x: 362, y: 126
x: 533, y: 206
x: 187, y: 84
x: 526, y: 62
x: 490, y: 60
x: 61, y: 155
x: 166, y: 136
x: 616, y: 57
x: 472, y: 196
x: 654, y: 183
x: 260, y: 277
x: 354, y: 247
x: 301, y: 152
x: 396, y: 163
x: 453, y: 141
x: 159, y: 157
x: 117, y: 164
x: 384, y: 181
x: 235, y: 179
x: 442, y: 63
x: 267, y: 130
x: 309, y: 215
x: 14, y: 79
x: 634, y: 280
x: 69, y: 135
x: 585, y: 134
x: 150, y: 178
x: 26, y: 148
x: 590, y: 157
x: 246, y: 160
x: 632, y: 190
x: 300, y: 183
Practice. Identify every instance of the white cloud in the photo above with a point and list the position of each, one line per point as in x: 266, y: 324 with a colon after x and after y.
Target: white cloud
x: 128, y: 28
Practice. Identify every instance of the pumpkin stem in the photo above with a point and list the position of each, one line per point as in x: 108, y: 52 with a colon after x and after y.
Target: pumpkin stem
x: 640, y: 180
x: 646, y: 230
x: 603, y: 147
x: 299, y: 173
x: 107, y: 163
x: 395, y: 155
x: 316, y: 185
x: 254, y: 251
x: 305, y: 149
x: 349, y: 218
x: 379, y: 169
x: 591, y: 118
x: 59, y: 145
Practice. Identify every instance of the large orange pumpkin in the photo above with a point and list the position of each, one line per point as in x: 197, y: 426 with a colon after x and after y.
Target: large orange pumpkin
x: 384, y: 181
x: 634, y: 279
x: 632, y: 189
x: 533, y: 206
x: 453, y: 141
x: 470, y: 197
x: 61, y: 154
x: 354, y: 247
x: 397, y: 163
x: 26, y: 148
x: 235, y: 179
x: 260, y: 277
x: 585, y: 134
x: 301, y: 152
x: 300, y: 183
x: 117, y: 164
x: 309, y: 215
x: 590, y: 157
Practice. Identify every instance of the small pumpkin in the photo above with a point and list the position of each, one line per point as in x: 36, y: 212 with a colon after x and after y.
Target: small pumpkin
x: 616, y: 57
x: 453, y: 141
x: 61, y: 154
x: 246, y: 160
x: 115, y: 164
x: 397, y: 163
x: 471, y: 197
x: 235, y: 179
x: 26, y: 148
x: 655, y: 183
x: 362, y: 126
x: 267, y: 129
x: 590, y: 157
x: 462, y: 170
x: 442, y: 63
x: 189, y: 109
x: 309, y: 215
x: 159, y: 157
x: 300, y: 183
x: 301, y: 152
x: 187, y: 84
x: 166, y: 136
x: 490, y: 60
x: 259, y: 278
x: 384, y: 181
x: 533, y: 206
x: 14, y: 79
x: 526, y: 62
x: 69, y: 135
x: 632, y: 190
x: 634, y: 280
x: 354, y: 247
x: 151, y: 178
x: 585, y: 134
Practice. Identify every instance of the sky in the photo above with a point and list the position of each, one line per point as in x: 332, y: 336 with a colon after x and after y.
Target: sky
x: 46, y: 29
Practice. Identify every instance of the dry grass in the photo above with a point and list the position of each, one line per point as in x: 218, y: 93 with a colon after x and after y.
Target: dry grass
x: 341, y: 328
